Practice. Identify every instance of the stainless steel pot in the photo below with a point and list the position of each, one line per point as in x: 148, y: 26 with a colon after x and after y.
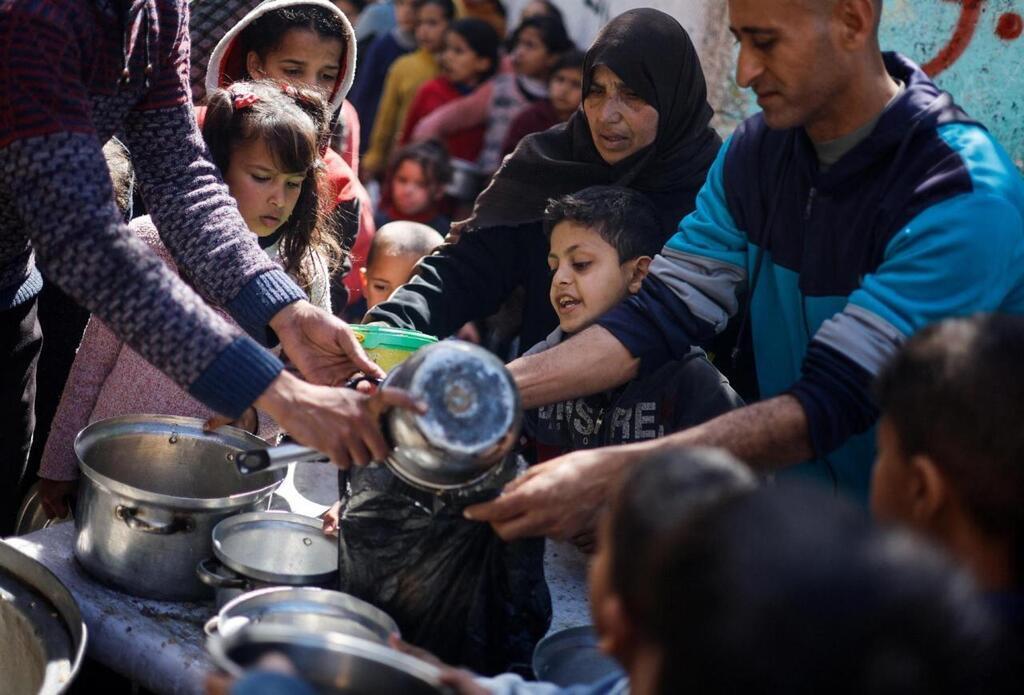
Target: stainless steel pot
x: 333, y: 664
x: 471, y: 425
x: 152, y: 490
x: 43, y: 635
x: 313, y: 610
x: 265, y: 549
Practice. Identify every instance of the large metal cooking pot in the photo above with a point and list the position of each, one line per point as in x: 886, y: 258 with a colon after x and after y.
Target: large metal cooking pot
x: 152, y: 490
x: 42, y: 634
x: 332, y: 663
x: 465, y: 437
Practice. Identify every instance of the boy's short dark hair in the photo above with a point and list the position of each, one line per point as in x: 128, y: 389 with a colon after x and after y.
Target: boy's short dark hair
x: 447, y: 7
x: 432, y: 157
x: 789, y: 590
x: 624, y: 218
x: 570, y: 60
x: 955, y: 392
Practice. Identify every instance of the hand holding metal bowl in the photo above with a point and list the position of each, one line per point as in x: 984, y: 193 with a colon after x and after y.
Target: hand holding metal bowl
x: 470, y: 426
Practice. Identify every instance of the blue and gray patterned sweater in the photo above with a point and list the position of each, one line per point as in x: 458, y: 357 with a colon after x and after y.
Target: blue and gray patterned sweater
x: 63, y: 93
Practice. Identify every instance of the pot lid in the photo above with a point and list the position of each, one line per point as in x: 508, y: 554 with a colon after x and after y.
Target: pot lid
x: 276, y: 547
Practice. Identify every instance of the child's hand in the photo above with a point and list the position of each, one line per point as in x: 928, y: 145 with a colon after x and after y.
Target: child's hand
x: 54, y: 494
x: 249, y: 421
x: 459, y: 680
x: 331, y: 519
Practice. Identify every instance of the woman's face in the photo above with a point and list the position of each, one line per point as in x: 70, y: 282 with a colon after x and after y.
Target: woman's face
x: 531, y: 57
x: 621, y: 123
x: 459, y: 63
x: 265, y: 195
x: 304, y: 58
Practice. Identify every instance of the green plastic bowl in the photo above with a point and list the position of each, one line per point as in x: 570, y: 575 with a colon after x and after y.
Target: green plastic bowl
x: 389, y: 347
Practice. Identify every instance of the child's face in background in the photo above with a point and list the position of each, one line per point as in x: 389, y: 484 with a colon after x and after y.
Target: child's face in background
x: 388, y: 273
x: 587, y: 278
x: 349, y: 8
x: 531, y: 57
x: 431, y: 25
x: 565, y: 90
x: 265, y: 196
x: 405, y: 15
x: 458, y: 61
x: 411, y: 192
x: 302, y: 57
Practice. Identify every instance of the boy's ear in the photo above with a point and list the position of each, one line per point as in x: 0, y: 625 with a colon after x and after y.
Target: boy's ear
x: 253, y: 65
x: 641, y: 266
x: 929, y: 491
x: 362, y: 278
x: 616, y: 630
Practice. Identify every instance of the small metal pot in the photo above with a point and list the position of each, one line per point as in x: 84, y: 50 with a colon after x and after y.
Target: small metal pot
x: 258, y: 550
x: 152, y: 490
x: 313, y: 610
x: 472, y: 421
x: 332, y: 663
x: 464, y: 440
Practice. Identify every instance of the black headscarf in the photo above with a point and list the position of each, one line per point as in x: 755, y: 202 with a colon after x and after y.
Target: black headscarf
x: 654, y: 56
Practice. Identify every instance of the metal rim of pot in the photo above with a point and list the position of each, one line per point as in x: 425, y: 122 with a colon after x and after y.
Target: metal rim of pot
x: 131, y: 424
x: 220, y: 646
x: 42, y: 581
x: 262, y: 602
x: 419, y: 439
x: 237, y: 523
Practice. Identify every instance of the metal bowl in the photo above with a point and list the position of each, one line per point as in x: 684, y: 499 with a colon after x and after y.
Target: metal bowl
x: 472, y: 421
x: 312, y: 610
x: 52, y: 635
x: 333, y: 664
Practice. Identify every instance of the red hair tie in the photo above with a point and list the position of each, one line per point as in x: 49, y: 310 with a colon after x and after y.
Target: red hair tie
x: 243, y: 99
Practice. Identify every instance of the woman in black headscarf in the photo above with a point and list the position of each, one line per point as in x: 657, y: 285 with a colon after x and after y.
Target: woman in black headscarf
x: 643, y: 124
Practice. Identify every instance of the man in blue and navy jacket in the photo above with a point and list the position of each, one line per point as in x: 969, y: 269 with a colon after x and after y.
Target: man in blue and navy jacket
x: 861, y: 205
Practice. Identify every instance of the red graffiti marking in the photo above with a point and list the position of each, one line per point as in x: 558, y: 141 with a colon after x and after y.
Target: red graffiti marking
x: 1009, y: 26
x: 970, y: 12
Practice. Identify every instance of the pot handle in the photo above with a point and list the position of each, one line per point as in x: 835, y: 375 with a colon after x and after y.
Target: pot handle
x: 130, y: 516
x: 209, y: 576
x: 256, y: 460
x: 210, y: 626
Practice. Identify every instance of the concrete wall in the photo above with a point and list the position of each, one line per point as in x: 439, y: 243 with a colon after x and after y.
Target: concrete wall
x: 973, y: 48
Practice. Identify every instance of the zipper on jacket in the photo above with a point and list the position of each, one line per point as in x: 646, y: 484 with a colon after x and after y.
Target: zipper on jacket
x: 810, y: 203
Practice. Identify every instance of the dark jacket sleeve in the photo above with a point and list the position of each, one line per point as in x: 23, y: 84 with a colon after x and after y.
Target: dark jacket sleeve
x: 460, y: 282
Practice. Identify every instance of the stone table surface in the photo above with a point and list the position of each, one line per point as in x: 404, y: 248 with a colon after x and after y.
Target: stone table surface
x: 158, y: 644
x: 161, y: 644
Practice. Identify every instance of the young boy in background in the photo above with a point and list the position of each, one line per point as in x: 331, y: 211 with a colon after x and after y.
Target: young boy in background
x: 405, y: 76
x: 602, y: 242
x: 951, y: 450
x: 396, y: 249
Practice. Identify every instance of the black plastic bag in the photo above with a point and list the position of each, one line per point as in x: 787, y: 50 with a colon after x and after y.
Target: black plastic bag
x: 452, y: 585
